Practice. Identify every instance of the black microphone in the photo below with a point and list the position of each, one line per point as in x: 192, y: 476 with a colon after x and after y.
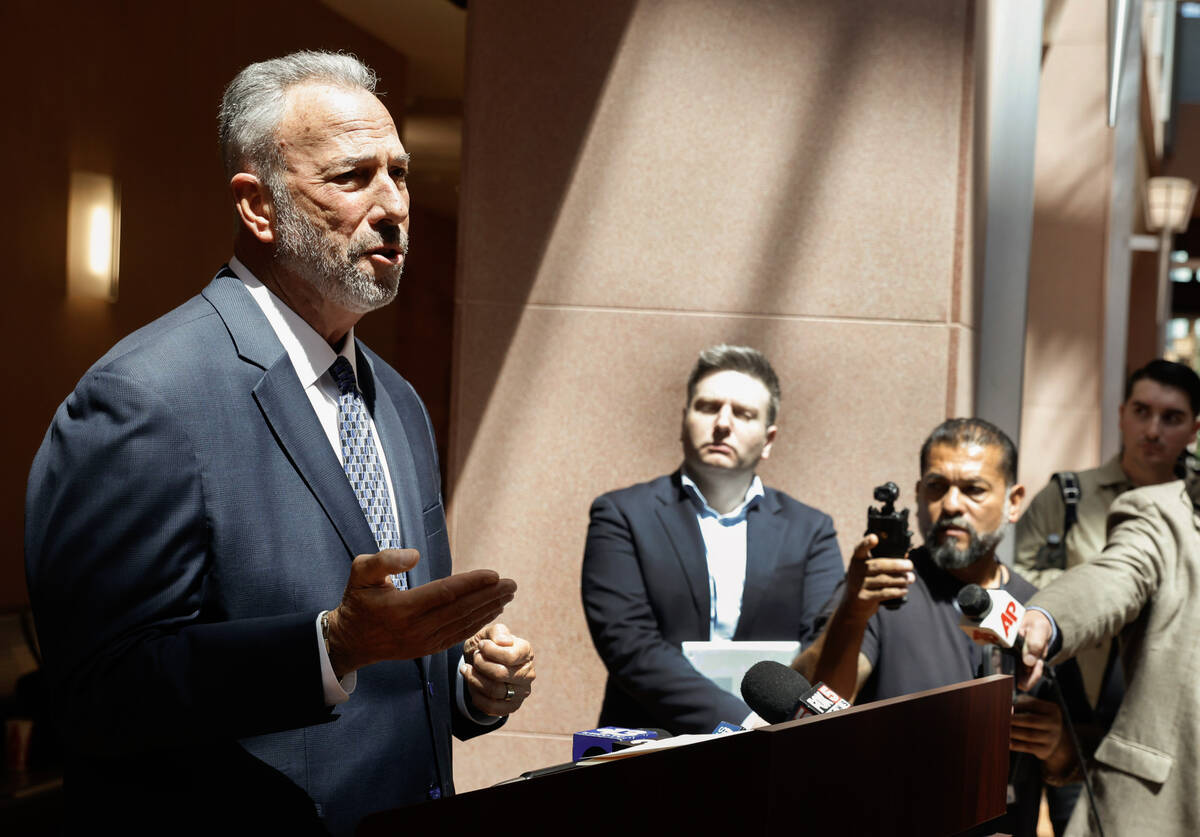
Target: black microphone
x: 779, y: 693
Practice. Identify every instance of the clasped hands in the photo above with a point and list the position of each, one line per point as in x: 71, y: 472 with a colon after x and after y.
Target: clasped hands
x: 376, y: 622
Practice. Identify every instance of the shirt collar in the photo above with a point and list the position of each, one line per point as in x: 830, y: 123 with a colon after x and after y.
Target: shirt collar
x: 1112, y: 474
x: 311, y: 356
x: 753, y: 494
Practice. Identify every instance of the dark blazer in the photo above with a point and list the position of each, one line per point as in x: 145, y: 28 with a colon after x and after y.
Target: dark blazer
x: 186, y: 520
x: 645, y: 591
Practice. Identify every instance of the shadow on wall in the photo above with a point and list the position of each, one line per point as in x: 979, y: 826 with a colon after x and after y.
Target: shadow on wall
x: 584, y: 49
x: 528, y: 163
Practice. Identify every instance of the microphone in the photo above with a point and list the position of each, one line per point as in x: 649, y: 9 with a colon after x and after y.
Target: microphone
x: 779, y: 693
x: 594, y: 742
x: 990, y: 617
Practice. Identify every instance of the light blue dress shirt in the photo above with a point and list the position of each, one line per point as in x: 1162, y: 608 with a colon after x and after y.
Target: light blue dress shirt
x: 725, y: 553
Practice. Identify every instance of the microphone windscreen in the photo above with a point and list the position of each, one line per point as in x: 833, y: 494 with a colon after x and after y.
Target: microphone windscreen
x: 974, y: 601
x: 772, y: 690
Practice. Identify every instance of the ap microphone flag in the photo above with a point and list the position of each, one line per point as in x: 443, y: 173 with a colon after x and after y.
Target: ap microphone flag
x: 990, y: 617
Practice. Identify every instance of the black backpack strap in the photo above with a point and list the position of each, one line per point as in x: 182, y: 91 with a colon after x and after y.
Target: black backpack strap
x: 1068, y: 486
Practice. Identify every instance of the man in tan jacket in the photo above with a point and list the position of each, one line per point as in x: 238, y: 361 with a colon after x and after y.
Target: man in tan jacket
x: 1158, y: 420
x: 1145, y: 586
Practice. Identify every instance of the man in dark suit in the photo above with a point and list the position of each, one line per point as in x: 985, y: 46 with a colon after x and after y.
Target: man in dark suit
x: 235, y: 541
x: 704, y: 553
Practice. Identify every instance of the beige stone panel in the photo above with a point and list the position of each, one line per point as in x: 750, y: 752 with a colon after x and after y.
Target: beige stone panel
x: 585, y: 401
x: 964, y: 354
x: 1081, y: 22
x: 1065, y: 330
x: 787, y: 159
x: 1057, y: 439
x: 487, y: 759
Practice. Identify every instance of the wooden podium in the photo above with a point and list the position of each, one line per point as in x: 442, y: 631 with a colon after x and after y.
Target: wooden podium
x: 929, y: 764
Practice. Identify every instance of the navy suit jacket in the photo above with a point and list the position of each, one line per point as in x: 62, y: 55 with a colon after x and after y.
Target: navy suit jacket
x: 645, y: 591
x: 186, y: 520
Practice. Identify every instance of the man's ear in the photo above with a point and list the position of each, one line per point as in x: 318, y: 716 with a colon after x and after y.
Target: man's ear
x: 253, y: 204
x: 1016, y: 494
x: 766, y: 452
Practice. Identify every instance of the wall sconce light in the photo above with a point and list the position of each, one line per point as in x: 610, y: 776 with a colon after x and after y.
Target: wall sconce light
x: 1169, y: 203
x: 93, y: 236
x: 1168, y: 211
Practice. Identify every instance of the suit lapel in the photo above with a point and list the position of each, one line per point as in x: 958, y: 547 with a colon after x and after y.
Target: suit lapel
x: 765, y: 529
x: 288, y: 412
x: 678, y: 517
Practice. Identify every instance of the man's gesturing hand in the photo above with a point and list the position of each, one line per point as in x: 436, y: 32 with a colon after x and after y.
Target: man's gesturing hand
x: 498, y: 670
x: 375, y: 621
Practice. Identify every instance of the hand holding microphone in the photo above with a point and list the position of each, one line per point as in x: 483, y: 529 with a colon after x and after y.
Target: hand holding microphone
x: 1036, y: 631
x: 994, y: 617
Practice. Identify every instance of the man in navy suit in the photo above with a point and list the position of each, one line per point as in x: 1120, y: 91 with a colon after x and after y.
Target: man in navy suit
x: 229, y: 646
x: 704, y: 553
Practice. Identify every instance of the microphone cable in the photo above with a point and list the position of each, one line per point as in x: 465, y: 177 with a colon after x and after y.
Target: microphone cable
x: 1049, y: 674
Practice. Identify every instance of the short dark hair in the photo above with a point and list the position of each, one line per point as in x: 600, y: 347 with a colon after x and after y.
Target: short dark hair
x: 1169, y: 374
x: 974, y: 431
x: 744, y: 359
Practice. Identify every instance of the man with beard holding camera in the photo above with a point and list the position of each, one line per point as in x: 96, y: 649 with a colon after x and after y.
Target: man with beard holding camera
x: 967, y: 497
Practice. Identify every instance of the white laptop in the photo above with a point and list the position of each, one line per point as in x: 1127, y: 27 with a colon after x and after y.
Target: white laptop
x: 726, y: 662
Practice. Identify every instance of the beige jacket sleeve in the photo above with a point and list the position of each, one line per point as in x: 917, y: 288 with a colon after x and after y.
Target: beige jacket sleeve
x: 1096, y: 599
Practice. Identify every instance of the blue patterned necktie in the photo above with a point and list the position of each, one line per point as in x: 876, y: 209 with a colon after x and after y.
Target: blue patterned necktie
x: 362, y: 464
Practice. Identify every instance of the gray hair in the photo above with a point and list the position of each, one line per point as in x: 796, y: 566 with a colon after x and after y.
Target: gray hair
x: 742, y: 359
x: 252, y: 106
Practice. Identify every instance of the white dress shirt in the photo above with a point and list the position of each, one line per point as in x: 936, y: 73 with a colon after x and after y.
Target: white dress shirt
x: 311, y: 357
x: 725, y: 554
